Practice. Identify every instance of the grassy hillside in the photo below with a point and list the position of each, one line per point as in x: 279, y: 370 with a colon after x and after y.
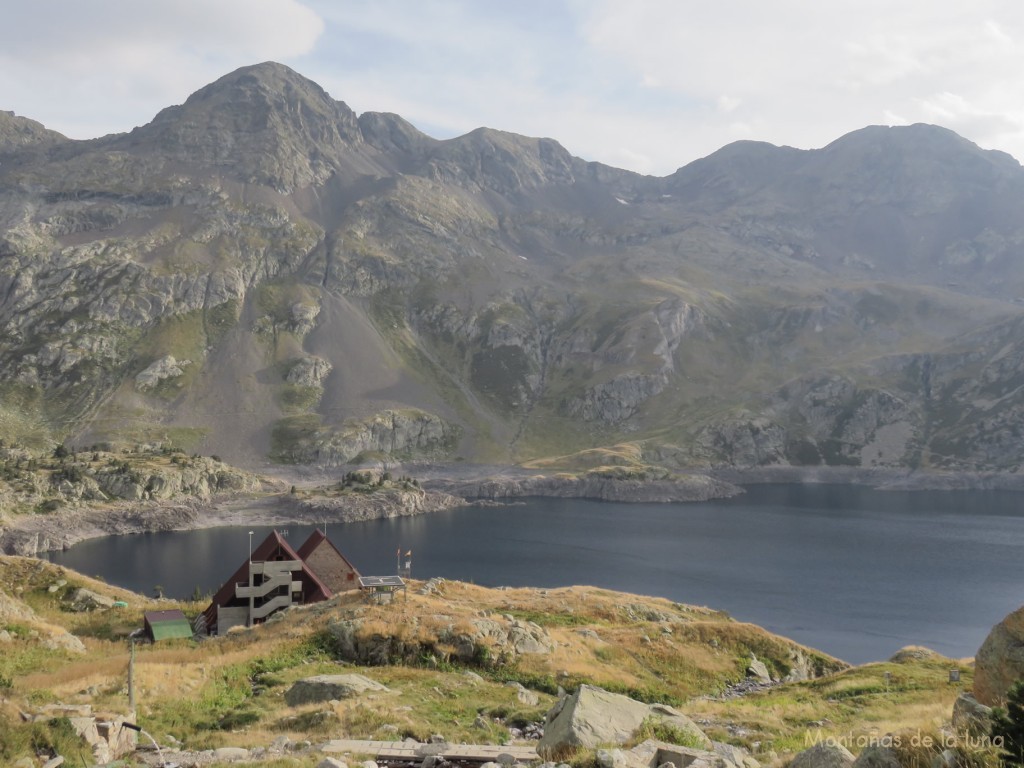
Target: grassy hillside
x: 229, y: 691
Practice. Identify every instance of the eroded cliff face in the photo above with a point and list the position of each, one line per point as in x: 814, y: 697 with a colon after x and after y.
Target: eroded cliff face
x: 260, y: 273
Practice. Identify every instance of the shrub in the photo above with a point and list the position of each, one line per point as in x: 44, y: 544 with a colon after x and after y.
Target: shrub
x: 1008, y: 725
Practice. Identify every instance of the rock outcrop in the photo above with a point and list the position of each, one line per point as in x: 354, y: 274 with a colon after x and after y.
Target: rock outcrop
x: 399, y: 434
x: 592, y: 716
x: 159, y: 371
x: 489, y: 641
x: 595, y: 485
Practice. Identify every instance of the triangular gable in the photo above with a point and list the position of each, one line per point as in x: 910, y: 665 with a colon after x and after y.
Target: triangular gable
x: 315, y: 541
x: 332, y: 567
x: 270, y: 547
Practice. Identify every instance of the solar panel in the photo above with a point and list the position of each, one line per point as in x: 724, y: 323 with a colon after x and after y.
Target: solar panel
x: 381, y: 581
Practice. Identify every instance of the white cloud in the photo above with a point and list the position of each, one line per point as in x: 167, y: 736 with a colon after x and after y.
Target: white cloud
x: 107, y: 65
x: 650, y: 84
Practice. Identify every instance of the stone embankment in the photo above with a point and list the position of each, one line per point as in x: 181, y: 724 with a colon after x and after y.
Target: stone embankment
x: 32, y: 535
x: 591, y: 486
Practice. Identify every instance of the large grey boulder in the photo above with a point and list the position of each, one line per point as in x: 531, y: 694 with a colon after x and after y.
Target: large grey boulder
x: 823, y: 755
x: 999, y: 662
x: 592, y: 716
x: 329, y: 688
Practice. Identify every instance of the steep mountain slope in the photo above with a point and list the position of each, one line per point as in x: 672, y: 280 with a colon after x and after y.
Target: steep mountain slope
x: 261, y: 273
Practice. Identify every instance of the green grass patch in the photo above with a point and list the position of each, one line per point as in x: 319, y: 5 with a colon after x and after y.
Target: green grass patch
x: 297, y: 398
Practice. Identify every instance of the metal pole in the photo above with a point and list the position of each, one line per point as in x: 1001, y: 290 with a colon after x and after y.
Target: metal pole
x: 252, y: 601
x: 131, y: 679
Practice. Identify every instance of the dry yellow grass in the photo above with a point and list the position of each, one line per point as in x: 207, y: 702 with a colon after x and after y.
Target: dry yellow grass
x: 647, y: 646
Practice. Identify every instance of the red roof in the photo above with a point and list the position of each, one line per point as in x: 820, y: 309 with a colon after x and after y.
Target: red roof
x: 272, y: 547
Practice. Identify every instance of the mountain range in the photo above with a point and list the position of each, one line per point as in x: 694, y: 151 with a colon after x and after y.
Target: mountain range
x: 265, y: 274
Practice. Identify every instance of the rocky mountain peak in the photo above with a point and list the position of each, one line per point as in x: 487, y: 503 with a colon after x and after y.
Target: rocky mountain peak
x: 501, y: 161
x: 19, y: 132
x: 264, y: 123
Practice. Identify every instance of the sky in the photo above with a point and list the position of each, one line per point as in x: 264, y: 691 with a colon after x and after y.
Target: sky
x: 648, y: 85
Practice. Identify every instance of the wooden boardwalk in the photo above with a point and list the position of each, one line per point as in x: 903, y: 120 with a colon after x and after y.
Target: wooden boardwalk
x: 413, y: 752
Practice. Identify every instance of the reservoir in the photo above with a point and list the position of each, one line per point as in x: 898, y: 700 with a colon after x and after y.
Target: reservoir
x: 855, y: 572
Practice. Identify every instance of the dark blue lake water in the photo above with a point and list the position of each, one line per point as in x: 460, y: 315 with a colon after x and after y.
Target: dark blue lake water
x: 855, y: 572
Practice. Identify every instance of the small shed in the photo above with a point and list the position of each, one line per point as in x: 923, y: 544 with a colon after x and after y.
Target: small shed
x: 164, y: 625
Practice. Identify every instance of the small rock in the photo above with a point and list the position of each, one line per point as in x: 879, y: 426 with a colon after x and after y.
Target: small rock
x: 823, y: 756
x: 368, y: 764
x: 505, y: 759
x: 54, y: 762
x: 437, y: 738
x: 231, y: 753
x: 524, y: 695
x: 5, y: 636
x: 611, y: 758
x: 330, y: 762
x: 480, y: 722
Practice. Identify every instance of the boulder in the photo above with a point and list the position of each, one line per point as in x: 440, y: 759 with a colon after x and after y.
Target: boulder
x: 652, y: 753
x: 64, y: 641
x: 106, y: 737
x: 611, y: 758
x: 331, y: 762
x: 524, y: 695
x: 86, y: 600
x: 1000, y: 660
x: 970, y: 716
x: 877, y: 756
x: 734, y: 757
x: 231, y: 754
x: 757, y: 670
x: 823, y: 755
x: 328, y: 688
x: 592, y: 716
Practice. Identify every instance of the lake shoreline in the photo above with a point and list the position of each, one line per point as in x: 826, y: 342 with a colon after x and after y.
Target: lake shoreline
x: 856, y: 571
x: 449, y: 486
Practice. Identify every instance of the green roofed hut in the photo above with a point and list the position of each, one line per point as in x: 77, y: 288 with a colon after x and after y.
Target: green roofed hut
x: 164, y: 625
